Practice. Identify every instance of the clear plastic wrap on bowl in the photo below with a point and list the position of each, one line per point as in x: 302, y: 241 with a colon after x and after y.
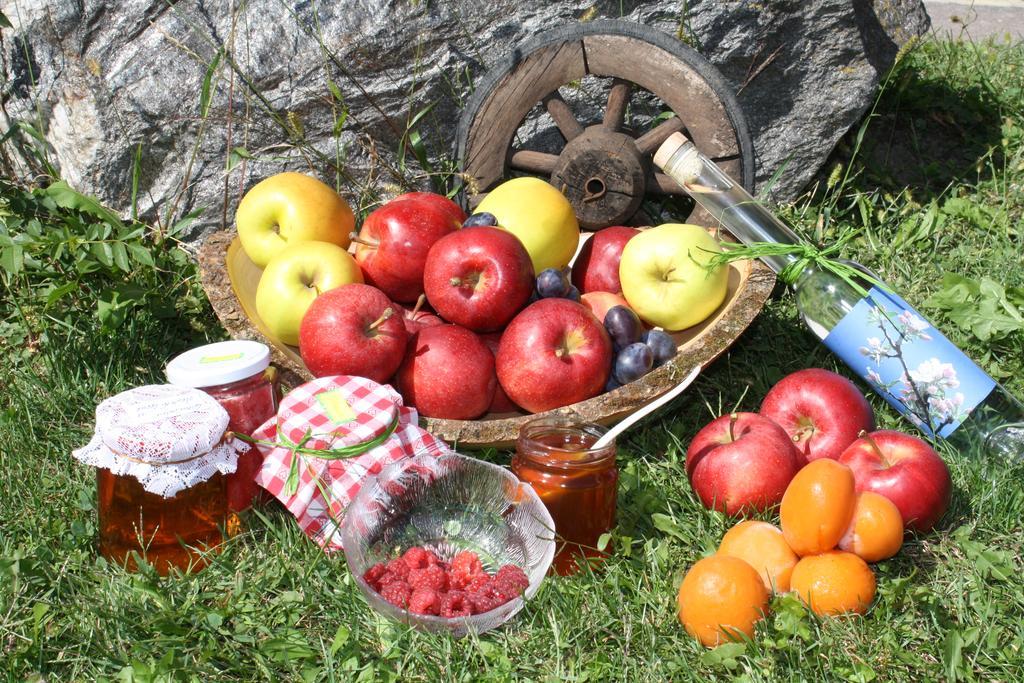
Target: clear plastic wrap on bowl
x: 449, y: 503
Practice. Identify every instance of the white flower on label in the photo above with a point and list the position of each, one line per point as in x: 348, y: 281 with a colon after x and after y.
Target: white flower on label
x: 913, y: 327
x: 935, y: 373
x: 875, y: 350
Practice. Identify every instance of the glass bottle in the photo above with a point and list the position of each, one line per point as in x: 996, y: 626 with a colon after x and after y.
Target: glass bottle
x: 239, y: 375
x: 577, y: 483
x: 880, y: 337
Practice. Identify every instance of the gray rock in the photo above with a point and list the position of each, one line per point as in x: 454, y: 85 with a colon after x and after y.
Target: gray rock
x: 107, y: 82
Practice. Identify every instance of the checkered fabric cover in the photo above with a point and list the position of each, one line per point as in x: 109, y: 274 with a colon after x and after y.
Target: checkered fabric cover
x: 326, y: 487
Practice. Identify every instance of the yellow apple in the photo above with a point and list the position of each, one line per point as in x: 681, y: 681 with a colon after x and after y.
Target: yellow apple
x: 666, y: 277
x: 289, y: 208
x: 540, y: 216
x: 294, y: 278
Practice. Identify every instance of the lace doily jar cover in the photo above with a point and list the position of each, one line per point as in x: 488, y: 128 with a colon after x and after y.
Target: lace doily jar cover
x: 161, y: 455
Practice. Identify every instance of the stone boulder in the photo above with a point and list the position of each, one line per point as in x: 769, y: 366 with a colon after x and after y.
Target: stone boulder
x: 196, y: 101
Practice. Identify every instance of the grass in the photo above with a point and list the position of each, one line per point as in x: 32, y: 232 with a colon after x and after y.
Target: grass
x: 273, y: 607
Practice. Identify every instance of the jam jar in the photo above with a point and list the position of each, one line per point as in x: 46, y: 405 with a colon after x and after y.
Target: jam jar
x: 239, y: 375
x: 576, y: 481
x: 161, y: 454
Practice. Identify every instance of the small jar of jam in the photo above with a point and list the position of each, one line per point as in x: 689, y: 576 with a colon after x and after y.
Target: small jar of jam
x: 239, y: 375
x: 577, y: 482
x: 161, y: 453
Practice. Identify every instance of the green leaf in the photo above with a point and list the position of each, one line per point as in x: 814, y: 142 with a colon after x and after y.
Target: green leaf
x: 120, y: 256
x: 5, y: 22
x: 340, y: 638
x: 140, y: 254
x: 183, y: 224
x: 724, y: 655
x: 12, y: 259
x: 60, y: 292
x: 236, y: 156
x: 668, y: 525
x: 204, y: 94
x: 68, y: 198
x: 136, y: 173
x: 952, y: 657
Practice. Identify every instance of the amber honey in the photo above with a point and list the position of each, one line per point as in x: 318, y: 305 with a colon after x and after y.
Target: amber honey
x: 577, y: 482
x: 168, y: 532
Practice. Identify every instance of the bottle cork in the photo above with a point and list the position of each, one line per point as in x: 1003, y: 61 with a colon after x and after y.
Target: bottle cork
x: 668, y: 148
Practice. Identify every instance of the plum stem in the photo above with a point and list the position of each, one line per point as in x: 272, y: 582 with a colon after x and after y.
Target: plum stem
x: 388, y: 312
x: 354, y: 236
x: 732, y: 424
x: 863, y: 434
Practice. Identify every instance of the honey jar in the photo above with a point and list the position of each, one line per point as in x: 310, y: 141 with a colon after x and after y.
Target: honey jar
x: 162, y: 454
x: 239, y: 376
x: 577, y: 482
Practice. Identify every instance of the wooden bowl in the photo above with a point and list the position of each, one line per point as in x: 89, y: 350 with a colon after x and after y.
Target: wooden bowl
x: 230, y: 281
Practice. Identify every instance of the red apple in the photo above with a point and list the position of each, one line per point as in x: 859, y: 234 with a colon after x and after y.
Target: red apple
x: 448, y: 372
x: 821, y: 411
x: 552, y: 354
x: 478, y: 277
x: 741, y: 463
x: 904, y: 469
x: 417, y: 317
x: 353, y: 330
x: 392, y: 245
x: 596, y: 269
x: 599, y: 302
x: 501, y: 403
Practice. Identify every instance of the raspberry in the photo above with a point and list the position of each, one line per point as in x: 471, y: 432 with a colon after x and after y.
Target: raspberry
x: 455, y: 604
x: 374, y: 574
x: 511, y: 581
x: 399, y: 568
x: 478, y: 583
x: 397, y: 593
x: 419, y: 558
x: 486, y: 599
x: 424, y: 601
x: 432, y: 577
x: 467, y: 563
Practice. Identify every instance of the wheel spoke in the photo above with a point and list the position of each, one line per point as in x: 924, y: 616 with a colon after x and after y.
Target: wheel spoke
x: 652, y: 139
x: 562, y: 116
x: 540, y: 163
x: 474, y: 199
x: 618, y: 98
x: 665, y: 185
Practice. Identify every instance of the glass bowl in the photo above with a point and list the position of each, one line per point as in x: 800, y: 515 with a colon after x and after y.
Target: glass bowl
x: 446, y: 504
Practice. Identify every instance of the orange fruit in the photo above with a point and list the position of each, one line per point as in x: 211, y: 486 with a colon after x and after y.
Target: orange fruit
x: 817, y: 506
x: 763, y: 547
x: 876, y: 530
x: 834, y: 582
x: 721, y: 596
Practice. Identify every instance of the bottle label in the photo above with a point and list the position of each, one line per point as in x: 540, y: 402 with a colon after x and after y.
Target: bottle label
x: 911, y: 364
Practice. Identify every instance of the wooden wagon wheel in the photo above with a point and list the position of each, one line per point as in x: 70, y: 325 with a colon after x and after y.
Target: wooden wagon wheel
x: 604, y: 168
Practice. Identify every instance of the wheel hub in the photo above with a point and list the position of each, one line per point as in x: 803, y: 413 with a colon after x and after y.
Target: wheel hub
x: 603, y: 176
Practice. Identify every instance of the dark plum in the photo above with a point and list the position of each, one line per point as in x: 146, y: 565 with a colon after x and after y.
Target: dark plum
x: 573, y: 294
x: 552, y: 284
x: 633, y: 362
x: 623, y: 326
x: 482, y: 218
x: 662, y: 346
x: 612, y: 383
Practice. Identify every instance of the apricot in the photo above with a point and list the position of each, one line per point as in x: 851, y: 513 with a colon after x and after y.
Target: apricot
x: 834, y: 582
x: 876, y: 530
x: 719, y: 598
x: 817, y: 507
x: 763, y: 547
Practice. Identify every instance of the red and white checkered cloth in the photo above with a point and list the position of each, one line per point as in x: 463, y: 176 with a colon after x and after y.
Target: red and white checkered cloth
x: 336, y: 412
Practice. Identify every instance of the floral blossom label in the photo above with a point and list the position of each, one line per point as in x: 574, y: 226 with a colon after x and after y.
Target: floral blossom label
x: 910, y: 363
